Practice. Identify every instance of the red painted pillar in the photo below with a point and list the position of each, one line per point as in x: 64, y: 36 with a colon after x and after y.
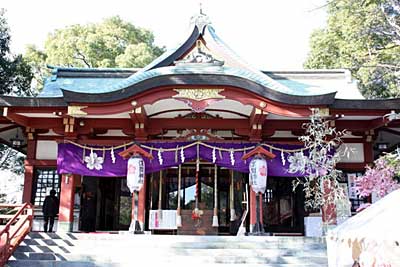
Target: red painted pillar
x: 142, y: 204
x: 368, y: 153
x: 29, y: 168
x: 261, y: 209
x: 28, y: 182
x: 66, y: 211
x: 253, y: 209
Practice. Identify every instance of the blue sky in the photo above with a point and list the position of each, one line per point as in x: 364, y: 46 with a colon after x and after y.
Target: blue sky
x: 270, y: 34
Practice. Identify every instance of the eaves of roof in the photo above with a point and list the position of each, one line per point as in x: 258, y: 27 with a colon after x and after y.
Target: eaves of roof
x: 196, y: 79
x: 15, y: 101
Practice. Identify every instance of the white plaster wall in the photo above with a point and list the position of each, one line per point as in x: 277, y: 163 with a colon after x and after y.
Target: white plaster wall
x: 353, y: 154
x: 46, y: 150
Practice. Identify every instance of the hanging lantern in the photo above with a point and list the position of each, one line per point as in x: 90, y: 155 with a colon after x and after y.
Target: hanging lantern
x: 258, y: 174
x: 135, y: 175
x: 258, y: 168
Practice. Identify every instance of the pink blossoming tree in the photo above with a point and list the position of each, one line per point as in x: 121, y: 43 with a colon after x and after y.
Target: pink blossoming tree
x: 380, y: 178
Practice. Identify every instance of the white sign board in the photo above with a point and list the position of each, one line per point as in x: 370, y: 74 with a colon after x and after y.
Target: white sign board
x: 351, y: 181
x: 162, y: 220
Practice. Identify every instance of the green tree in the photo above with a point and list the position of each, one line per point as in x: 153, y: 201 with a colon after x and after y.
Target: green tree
x: 15, y: 79
x: 15, y: 72
x: 363, y: 36
x: 111, y: 43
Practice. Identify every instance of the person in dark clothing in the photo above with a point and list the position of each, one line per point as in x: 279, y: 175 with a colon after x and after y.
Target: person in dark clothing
x: 50, y: 210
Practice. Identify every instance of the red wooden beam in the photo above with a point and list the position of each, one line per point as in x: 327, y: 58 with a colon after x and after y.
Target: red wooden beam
x: 351, y: 125
x: 50, y: 110
x: 19, y: 119
x: 166, y: 92
x: 390, y: 131
x: 41, y: 163
x: 126, y: 104
x: 7, y: 128
x: 182, y: 123
x: 359, y: 112
x: 359, y: 167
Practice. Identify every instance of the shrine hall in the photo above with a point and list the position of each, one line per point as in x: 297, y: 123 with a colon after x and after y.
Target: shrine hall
x: 192, y: 114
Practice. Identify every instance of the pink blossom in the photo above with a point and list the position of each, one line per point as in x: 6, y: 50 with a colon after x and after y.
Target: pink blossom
x: 379, y: 179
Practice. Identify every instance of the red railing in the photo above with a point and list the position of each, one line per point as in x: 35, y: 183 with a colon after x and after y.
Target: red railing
x: 15, y: 224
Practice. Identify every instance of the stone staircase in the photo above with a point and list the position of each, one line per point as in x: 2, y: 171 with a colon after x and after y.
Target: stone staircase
x: 120, y: 250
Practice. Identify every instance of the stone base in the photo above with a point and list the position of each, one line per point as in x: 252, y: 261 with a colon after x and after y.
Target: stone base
x: 65, y: 226
x: 202, y: 226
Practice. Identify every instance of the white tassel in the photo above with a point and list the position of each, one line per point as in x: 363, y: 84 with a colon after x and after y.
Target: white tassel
x: 232, y: 157
x: 182, y: 155
x: 214, y: 156
x: 112, y: 155
x: 283, y: 158
x: 160, y: 159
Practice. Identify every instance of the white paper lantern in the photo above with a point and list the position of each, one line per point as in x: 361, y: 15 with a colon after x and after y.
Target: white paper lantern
x: 135, y: 173
x: 258, y: 174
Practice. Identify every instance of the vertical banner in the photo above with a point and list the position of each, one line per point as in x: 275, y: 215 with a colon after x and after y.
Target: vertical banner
x: 351, y: 181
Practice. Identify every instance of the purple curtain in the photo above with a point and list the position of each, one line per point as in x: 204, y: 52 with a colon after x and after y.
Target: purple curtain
x: 71, y: 159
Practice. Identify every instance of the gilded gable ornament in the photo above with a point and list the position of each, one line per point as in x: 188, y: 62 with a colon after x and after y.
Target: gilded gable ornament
x: 199, y: 99
x: 199, y: 94
x: 76, y: 111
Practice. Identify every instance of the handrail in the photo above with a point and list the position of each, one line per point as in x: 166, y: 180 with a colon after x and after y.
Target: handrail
x: 242, y: 229
x: 15, y: 230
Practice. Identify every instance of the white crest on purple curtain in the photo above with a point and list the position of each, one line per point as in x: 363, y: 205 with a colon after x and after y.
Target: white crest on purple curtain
x: 297, y: 162
x: 258, y: 174
x: 135, y: 173
x: 93, y: 161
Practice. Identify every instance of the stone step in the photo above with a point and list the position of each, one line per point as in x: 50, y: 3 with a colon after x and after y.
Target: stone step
x: 95, y: 250
x: 176, y: 238
x: 155, y: 244
x: 171, y: 252
x: 33, y: 263
x: 161, y: 259
x: 151, y: 240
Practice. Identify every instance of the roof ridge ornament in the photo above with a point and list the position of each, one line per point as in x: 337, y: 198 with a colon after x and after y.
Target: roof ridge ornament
x: 200, y: 20
x: 199, y: 57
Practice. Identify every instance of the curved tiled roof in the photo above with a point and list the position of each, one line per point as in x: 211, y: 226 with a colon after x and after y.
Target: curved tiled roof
x: 106, y: 85
x: 162, y: 66
x: 195, y: 79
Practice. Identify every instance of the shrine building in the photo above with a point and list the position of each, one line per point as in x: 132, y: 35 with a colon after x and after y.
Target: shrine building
x: 195, y: 112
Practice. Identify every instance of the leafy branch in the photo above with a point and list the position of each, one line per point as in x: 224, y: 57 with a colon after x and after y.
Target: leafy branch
x: 318, y: 166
